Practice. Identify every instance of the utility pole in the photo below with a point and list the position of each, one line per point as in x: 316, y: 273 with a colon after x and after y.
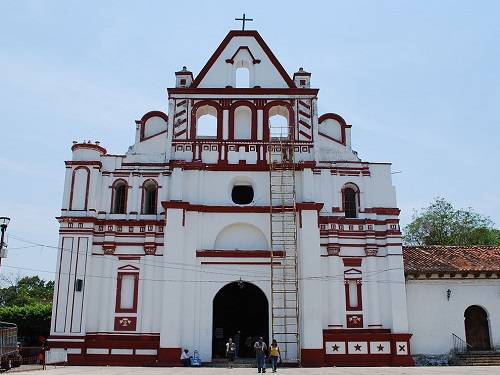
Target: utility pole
x: 4, y: 222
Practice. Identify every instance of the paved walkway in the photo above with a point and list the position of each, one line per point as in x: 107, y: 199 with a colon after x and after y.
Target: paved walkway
x: 287, y: 371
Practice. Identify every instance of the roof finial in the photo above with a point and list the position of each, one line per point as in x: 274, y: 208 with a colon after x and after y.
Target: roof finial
x: 244, y: 20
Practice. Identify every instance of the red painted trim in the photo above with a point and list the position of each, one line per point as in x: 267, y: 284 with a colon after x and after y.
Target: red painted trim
x: 122, y: 222
x: 244, y: 263
x: 73, y: 186
x: 253, y: 109
x: 368, y: 336
x: 359, y: 306
x: 224, y: 44
x: 291, y: 118
x: 62, y: 249
x: 146, y: 117
x: 382, y: 211
x: 118, y: 308
x: 113, y: 188
x: 125, y: 323
x: 169, y: 356
x: 341, y: 121
x: 237, y: 253
x: 143, y: 193
x: 352, y: 262
x: 254, y: 60
x: 235, y: 209
x: 89, y: 146
x: 354, y: 221
x: 265, y: 92
x: 194, y: 120
x: 312, y: 357
x: 74, y: 282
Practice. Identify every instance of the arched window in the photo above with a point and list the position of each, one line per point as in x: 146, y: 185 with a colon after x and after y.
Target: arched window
x: 349, y: 202
x: 243, y: 78
x: 242, y: 123
x: 279, y: 122
x: 206, y: 122
x: 120, y: 191
x: 149, y: 197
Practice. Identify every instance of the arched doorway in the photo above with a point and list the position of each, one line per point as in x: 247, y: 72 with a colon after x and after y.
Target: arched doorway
x: 243, y: 307
x: 477, y: 330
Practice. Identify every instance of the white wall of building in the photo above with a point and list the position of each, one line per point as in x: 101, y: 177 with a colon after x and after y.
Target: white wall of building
x: 433, y: 318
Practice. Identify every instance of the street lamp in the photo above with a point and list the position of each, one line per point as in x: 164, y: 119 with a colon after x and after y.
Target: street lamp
x: 4, y: 222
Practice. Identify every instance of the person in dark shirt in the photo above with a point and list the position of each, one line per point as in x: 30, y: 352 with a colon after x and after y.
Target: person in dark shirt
x: 260, y: 353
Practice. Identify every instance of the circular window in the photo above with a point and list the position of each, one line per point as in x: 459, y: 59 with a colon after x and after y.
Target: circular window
x: 242, y: 194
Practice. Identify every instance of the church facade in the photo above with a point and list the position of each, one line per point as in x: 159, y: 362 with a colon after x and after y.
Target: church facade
x: 172, y: 245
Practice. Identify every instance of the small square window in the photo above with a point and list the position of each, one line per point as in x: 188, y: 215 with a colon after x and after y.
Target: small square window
x: 183, y: 82
x: 302, y: 82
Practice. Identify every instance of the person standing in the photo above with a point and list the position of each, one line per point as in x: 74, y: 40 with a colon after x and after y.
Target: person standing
x: 237, y: 338
x: 230, y: 352
x: 274, y: 354
x: 185, y: 358
x: 260, y: 353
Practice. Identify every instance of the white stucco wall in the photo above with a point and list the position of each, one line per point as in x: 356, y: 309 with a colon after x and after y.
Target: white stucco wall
x: 433, y: 319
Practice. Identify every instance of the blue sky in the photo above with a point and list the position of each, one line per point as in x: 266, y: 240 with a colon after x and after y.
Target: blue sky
x: 419, y: 81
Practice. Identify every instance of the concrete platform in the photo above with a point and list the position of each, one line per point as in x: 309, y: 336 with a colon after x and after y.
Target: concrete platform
x: 465, y: 370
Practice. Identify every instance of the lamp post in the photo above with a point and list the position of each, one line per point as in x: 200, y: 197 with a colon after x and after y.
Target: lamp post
x: 4, y: 222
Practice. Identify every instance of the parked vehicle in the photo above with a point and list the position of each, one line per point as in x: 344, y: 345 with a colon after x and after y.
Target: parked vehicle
x: 9, y: 348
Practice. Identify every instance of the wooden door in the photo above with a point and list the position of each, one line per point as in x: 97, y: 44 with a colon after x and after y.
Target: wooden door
x: 477, y: 331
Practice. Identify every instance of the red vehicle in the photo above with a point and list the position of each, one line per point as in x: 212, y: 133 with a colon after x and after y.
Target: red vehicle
x: 9, y: 349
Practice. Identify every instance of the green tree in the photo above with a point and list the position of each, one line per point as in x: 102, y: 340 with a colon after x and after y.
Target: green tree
x: 32, y: 320
x: 442, y: 224
x: 26, y: 290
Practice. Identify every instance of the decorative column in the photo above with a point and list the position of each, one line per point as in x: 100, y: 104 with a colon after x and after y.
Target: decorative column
x: 171, y: 295
x: 107, y: 297
x: 148, y: 285
x: 371, y: 280
x: 337, y: 304
x: 310, y: 290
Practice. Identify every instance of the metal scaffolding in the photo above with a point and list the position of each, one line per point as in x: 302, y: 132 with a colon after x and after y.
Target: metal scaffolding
x: 284, y: 257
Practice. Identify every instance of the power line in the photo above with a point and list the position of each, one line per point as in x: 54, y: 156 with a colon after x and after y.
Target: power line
x: 163, y: 266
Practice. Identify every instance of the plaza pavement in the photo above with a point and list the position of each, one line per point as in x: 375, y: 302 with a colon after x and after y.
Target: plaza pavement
x: 286, y: 371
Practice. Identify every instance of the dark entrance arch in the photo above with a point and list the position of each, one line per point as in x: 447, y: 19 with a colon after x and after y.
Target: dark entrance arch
x: 243, y: 307
x: 477, y: 330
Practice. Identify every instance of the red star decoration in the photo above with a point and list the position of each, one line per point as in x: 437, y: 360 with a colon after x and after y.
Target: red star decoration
x: 357, y: 347
x: 380, y: 347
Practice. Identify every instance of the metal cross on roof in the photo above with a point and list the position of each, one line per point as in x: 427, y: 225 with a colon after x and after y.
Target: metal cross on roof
x: 244, y: 20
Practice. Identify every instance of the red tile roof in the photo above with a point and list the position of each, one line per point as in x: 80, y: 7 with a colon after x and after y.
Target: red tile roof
x: 431, y: 259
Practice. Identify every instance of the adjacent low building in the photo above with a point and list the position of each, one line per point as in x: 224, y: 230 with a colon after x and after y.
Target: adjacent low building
x: 453, y: 296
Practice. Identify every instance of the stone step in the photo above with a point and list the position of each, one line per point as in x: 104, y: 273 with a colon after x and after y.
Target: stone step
x: 480, y: 359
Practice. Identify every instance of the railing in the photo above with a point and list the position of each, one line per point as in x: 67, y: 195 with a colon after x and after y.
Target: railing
x: 460, y: 346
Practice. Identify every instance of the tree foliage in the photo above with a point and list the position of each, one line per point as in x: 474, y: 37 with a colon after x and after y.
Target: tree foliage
x: 442, y: 224
x: 32, y: 320
x: 26, y: 291
x: 27, y: 302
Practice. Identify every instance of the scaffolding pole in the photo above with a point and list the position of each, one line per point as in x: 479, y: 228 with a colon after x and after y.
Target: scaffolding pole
x: 284, y: 250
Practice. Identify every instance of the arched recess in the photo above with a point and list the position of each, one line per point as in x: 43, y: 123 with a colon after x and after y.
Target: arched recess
x: 281, y: 108
x: 240, y: 310
x: 233, y: 118
x: 152, y: 123
x: 80, y: 183
x: 333, y: 127
x: 477, y: 328
x: 351, y: 201
x: 241, y: 236
x: 119, y: 196
x: 206, y: 107
x: 149, y: 197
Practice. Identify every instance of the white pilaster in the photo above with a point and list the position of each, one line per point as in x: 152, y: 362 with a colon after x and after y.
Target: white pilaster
x: 310, y: 288
x: 371, y: 281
